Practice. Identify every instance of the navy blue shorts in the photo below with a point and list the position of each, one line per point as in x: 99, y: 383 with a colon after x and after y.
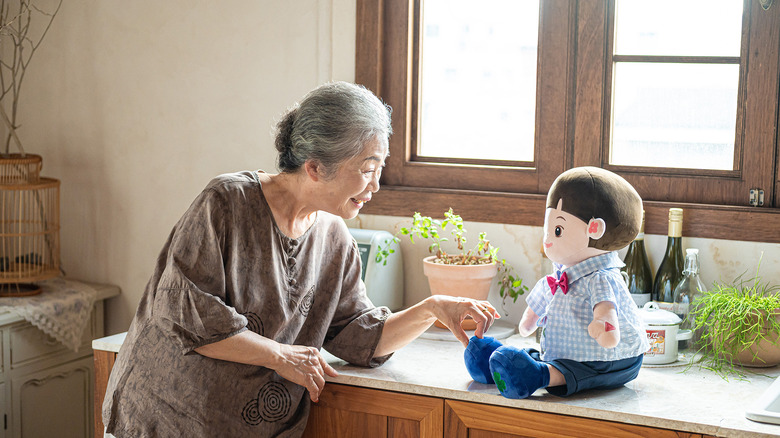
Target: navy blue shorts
x: 591, y: 375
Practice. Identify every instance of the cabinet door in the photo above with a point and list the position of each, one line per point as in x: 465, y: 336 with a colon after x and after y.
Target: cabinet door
x: 55, y: 402
x: 462, y: 420
x: 4, y: 412
x: 348, y: 411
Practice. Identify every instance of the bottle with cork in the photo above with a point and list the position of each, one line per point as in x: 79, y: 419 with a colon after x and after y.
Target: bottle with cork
x: 670, y: 271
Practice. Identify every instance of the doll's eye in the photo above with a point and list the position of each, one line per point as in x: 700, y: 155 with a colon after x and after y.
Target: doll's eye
x: 558, y: 231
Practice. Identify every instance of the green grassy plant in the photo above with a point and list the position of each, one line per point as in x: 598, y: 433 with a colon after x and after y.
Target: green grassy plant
x: 730, y: 318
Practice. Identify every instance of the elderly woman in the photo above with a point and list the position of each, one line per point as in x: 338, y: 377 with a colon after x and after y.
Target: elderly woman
x: 257, y: 276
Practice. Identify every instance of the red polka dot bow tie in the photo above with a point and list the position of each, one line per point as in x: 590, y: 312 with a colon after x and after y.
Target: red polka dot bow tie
x: 554, y: 283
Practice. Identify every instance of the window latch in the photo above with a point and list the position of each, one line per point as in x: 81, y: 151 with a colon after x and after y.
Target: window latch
x: 756, y: 197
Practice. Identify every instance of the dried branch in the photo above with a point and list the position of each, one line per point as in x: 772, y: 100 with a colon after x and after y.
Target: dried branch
x: 18, y: 44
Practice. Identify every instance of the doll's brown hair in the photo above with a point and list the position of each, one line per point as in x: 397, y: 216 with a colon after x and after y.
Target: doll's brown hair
x: 590, y: 193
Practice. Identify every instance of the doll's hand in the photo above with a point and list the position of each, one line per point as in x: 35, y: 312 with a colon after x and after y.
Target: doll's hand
x: 605, y: 333
x: 604, y: 328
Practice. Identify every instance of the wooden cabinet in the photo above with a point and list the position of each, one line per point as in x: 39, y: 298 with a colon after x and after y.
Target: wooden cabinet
x: 46, y: 389
x: 356, y: 412
x: 348, y: 411
x: 472, y: 420
x: 54, y: 402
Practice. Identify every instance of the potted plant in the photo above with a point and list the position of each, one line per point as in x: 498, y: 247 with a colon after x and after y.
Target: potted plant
x: 738, y: 324
x: 468, y: 272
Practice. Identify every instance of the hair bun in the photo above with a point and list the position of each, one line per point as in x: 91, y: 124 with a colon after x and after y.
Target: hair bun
x: 283, y: 142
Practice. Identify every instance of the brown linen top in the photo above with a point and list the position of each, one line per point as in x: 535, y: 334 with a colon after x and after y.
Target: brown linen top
x: 226, y: 268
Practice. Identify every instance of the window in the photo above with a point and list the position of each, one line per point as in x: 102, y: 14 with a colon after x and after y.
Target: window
x: 675, y: 84
x: 715, y: 97
x: 478, y: 73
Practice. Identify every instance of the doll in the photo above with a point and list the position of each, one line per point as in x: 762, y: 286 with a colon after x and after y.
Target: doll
x: 592, y: 334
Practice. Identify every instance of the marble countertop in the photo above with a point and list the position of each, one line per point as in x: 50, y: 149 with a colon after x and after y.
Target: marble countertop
x: 696, y: 401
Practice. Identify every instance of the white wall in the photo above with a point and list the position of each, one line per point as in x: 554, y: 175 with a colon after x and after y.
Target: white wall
x: 135, y: 105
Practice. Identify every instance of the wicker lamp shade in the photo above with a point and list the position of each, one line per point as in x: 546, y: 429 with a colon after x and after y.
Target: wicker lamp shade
x: 29, y: 225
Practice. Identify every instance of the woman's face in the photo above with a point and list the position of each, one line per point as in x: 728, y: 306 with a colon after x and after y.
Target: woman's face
x: 355, y: 181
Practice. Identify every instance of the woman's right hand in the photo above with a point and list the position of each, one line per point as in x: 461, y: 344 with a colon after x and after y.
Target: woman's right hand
x: 304, y: 366
x: 301, y: 365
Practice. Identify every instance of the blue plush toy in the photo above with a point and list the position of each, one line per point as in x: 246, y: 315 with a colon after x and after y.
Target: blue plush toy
x: 592, y: 333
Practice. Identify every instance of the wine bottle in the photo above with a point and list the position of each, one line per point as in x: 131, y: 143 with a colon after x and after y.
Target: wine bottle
x: 639, y: 278
x: 687, y: 291
x: 671, y: 267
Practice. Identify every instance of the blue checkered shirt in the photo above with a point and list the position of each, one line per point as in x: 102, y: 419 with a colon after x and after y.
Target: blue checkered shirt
x: 564, y: 318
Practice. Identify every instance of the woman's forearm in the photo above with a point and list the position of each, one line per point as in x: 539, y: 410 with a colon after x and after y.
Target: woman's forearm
x: 403, y: 327
x: 299, y: 364
x: 246, y: 347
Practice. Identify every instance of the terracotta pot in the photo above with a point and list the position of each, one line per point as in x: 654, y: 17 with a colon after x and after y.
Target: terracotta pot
x: 470, y: 281
x: 763, y: 354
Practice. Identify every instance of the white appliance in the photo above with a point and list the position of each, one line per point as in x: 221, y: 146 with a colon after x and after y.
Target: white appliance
x: 384, y: 282
x: 767, y: 408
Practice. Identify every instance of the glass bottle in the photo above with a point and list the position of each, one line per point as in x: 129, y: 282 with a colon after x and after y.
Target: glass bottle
x: 671, y: 267
x: 687, y: 291
x: 639, y: 278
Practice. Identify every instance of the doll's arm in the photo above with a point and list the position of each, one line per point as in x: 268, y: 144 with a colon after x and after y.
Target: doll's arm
x: 528, y: 322
x: 604, y: 328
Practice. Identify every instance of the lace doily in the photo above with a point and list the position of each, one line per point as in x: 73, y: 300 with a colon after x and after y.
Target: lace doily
x: 61, y: 310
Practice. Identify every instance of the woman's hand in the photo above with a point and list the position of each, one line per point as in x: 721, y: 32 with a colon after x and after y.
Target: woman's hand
x: 403, y: 327
x: 304, y: 366
x: 301, y: 365
x: 451, y: 311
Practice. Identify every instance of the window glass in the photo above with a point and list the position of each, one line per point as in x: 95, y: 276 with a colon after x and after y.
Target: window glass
x: 478, y: 79
x: 678, y: 27
x: 674, y: 115
x: 675, y: 81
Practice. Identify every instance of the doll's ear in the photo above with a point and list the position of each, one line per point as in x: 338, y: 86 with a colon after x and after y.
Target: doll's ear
x: 596, y: 228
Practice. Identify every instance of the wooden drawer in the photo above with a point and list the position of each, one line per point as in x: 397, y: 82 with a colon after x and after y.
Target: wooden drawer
x: 30, y: 345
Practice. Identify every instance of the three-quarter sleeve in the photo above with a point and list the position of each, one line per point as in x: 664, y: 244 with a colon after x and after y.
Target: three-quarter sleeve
x: 190, y: 302
x: 357, y: 324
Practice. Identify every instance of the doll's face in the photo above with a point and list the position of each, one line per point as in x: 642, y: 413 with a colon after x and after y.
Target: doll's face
x: 566, y: 236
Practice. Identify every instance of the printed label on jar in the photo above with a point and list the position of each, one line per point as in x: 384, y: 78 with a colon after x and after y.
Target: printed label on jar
x: 657, y: 344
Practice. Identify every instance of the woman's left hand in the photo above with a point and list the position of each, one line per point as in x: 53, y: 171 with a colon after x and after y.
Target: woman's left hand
x: 451, y: 311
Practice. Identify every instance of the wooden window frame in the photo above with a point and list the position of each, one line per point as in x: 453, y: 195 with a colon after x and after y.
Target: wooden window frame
x: 571, y: 113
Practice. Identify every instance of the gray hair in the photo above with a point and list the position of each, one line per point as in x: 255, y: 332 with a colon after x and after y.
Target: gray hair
x: 331, y: 124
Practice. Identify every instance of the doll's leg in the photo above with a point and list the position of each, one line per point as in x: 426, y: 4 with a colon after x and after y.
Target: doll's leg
x: 477, y: 357
x: 518, y: 375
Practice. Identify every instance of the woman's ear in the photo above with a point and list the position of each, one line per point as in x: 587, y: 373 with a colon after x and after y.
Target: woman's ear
x: 313, y: 170
x: 596, y: 228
